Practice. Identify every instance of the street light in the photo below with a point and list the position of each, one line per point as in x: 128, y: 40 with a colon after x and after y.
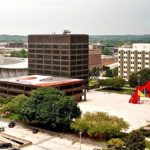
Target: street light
x: 80, y: 133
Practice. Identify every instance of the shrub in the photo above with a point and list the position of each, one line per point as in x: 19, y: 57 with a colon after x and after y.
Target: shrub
x: 116, y: 143
x: 135, y: 141
x: 100, y: 125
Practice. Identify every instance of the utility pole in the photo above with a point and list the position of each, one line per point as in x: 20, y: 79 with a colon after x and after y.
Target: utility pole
x: 80, y: 133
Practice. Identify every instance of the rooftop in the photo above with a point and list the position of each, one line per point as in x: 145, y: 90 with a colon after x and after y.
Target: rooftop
x: 42, y: 81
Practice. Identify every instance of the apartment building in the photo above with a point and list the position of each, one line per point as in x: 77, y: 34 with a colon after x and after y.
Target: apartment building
x: 133, y: 59
x: 62, y: 55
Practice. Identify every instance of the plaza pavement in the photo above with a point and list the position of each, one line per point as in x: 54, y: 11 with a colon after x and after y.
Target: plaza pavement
x: 43, y: 140
x: 137, y: 115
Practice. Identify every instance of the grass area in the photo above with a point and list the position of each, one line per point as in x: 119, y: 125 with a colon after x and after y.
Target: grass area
x: 12, y: 117
x: 148, y: 144
x: 119, y: 91
x: 92, y: 82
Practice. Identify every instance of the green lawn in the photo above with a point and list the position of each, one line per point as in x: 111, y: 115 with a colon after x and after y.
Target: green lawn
x: 148, y: 144
x: 92, y: 82
x: 119, y: 91
x: 12, y: 117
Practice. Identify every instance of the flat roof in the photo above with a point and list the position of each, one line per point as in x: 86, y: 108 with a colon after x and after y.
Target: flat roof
x: 42, y: 81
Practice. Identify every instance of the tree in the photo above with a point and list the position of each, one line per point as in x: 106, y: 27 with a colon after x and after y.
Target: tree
x: 107, y: 51
x: 94, y: 71
x: 135, y: 141
x: 144, y: 76
x: 133, y: 80
x: 109, y: 73
x: 23, y: 53
x: 116, y: 83
x: 139, y: 78
x: 51, y: 108
x: 99, y: 124
x: 15, y: 104
x: 115, y: 72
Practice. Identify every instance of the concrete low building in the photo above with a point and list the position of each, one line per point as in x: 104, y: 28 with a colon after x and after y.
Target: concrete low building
x: 13, y: 67
x: 23, y: 85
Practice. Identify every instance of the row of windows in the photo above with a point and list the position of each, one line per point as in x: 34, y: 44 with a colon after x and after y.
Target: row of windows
x: 48, y: 46
x: 58, y: 52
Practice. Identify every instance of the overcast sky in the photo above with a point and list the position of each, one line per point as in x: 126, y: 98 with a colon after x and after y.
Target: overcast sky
x: 79, y: 16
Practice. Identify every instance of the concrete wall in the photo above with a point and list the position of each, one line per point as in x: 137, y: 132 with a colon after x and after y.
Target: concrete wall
x: 9, y: 73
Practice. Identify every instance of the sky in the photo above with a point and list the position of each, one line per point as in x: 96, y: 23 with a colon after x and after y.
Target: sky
x: 96, y: 17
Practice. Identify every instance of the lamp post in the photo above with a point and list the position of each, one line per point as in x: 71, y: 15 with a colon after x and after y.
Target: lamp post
x: 80, y: 133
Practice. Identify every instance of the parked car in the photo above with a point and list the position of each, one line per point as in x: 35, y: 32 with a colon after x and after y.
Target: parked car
x: 34, y: 131
x: 11, y: 124
x: 2, y: 129
x: 5, y: 145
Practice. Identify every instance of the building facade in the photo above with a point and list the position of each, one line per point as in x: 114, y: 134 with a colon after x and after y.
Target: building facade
x: 62, y: 55
x: 95, y: 56
x: 133, y: 59
x: 25, y: 84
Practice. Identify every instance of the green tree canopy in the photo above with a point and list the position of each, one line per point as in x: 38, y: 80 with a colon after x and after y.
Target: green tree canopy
x: 107, y: 51
x: 139, y: 78
x: 116, y: 83
x: 23, y: 53
x: 135, y: 141
x: 144, y: 76
x: 94, y: 71
x: 133, y: 80
x: 51, y: 108
x: 15, y: 104
x: 109, y: 73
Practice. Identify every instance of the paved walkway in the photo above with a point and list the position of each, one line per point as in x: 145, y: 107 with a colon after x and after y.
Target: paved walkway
x: 45, y: 141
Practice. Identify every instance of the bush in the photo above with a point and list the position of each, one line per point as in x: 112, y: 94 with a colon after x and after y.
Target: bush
x: 116, y: 143
x: 100, y: 125
x: 135, y: 141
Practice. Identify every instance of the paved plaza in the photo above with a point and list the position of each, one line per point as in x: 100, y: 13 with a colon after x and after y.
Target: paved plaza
x: 136, y: 115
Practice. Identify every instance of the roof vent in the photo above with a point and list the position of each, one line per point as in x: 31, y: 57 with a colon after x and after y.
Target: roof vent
x: 66, y: 32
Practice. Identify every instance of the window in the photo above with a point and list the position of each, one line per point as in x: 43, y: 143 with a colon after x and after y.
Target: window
x: 65, y: 46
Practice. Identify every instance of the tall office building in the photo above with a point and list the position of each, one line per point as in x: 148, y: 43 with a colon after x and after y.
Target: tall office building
x: 133, y: 59
x: 64, y: 55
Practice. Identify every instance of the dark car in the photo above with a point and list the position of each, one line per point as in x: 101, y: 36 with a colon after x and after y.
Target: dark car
x: 34, y: 131
x: 2, y: 129
x: 5, y: 145
x: 11, y: 124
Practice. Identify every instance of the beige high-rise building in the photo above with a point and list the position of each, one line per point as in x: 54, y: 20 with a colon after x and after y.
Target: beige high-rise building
x: 133, y: 59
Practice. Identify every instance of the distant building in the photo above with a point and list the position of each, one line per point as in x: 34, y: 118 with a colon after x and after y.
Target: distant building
x: 133, y: 59
x: 108, y: 60
x: 13, y: 67
x: 16, y: 45
x: 94, y: 58
x: 62, y: 55
x: 57, y: 60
